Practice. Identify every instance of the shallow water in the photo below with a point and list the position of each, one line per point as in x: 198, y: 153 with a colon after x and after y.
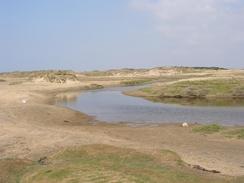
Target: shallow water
x: 112, y: 106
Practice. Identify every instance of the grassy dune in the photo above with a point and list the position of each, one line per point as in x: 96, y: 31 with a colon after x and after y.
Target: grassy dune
x: 217, y: 91
x: 200, y: 89
x: 101, y: 163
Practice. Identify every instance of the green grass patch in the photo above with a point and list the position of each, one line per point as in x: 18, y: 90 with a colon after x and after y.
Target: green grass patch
x: 102, y: 163
x: 205, y: 88
x: 224, y: 88
x: 147, y: 90
x: 235, y: 133
x: 217, y: 92
x: 208, y: 129
x: 135, y: 82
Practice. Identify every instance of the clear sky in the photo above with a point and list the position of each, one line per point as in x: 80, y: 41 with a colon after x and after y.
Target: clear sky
x: 104, y: 34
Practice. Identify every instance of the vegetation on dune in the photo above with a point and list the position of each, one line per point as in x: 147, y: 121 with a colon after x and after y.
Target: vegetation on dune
x: 101, y: 163
x: 114, y: 72
x: 208, y: 129
x: 98, y: 73
x: 130, y: 71
x: 55, y: 76
x: 187, y: 70
x: 2, y: 80
x: 202, y: 68
x: 135, y: 82
x: 209, y: 68
x: 204, y: 89
x: 199, y: 89
x: 94, y: 87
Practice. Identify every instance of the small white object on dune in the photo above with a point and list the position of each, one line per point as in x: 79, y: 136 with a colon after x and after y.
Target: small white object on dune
x: 24, y: 101
x: 185, y: 125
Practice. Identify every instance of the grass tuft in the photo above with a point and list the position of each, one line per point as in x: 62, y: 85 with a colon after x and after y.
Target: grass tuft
x: 208, y: 129
x: 236, y: 133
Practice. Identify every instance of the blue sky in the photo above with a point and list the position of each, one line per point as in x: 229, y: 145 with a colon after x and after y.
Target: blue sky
x: 95, y: 34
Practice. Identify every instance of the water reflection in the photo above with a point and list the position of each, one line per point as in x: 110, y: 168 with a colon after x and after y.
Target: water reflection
x: 220, y: 102
x: 112, y: 106
x: 68, y: 97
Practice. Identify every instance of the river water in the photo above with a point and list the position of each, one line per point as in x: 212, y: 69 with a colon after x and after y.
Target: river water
x: 112, y: 106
